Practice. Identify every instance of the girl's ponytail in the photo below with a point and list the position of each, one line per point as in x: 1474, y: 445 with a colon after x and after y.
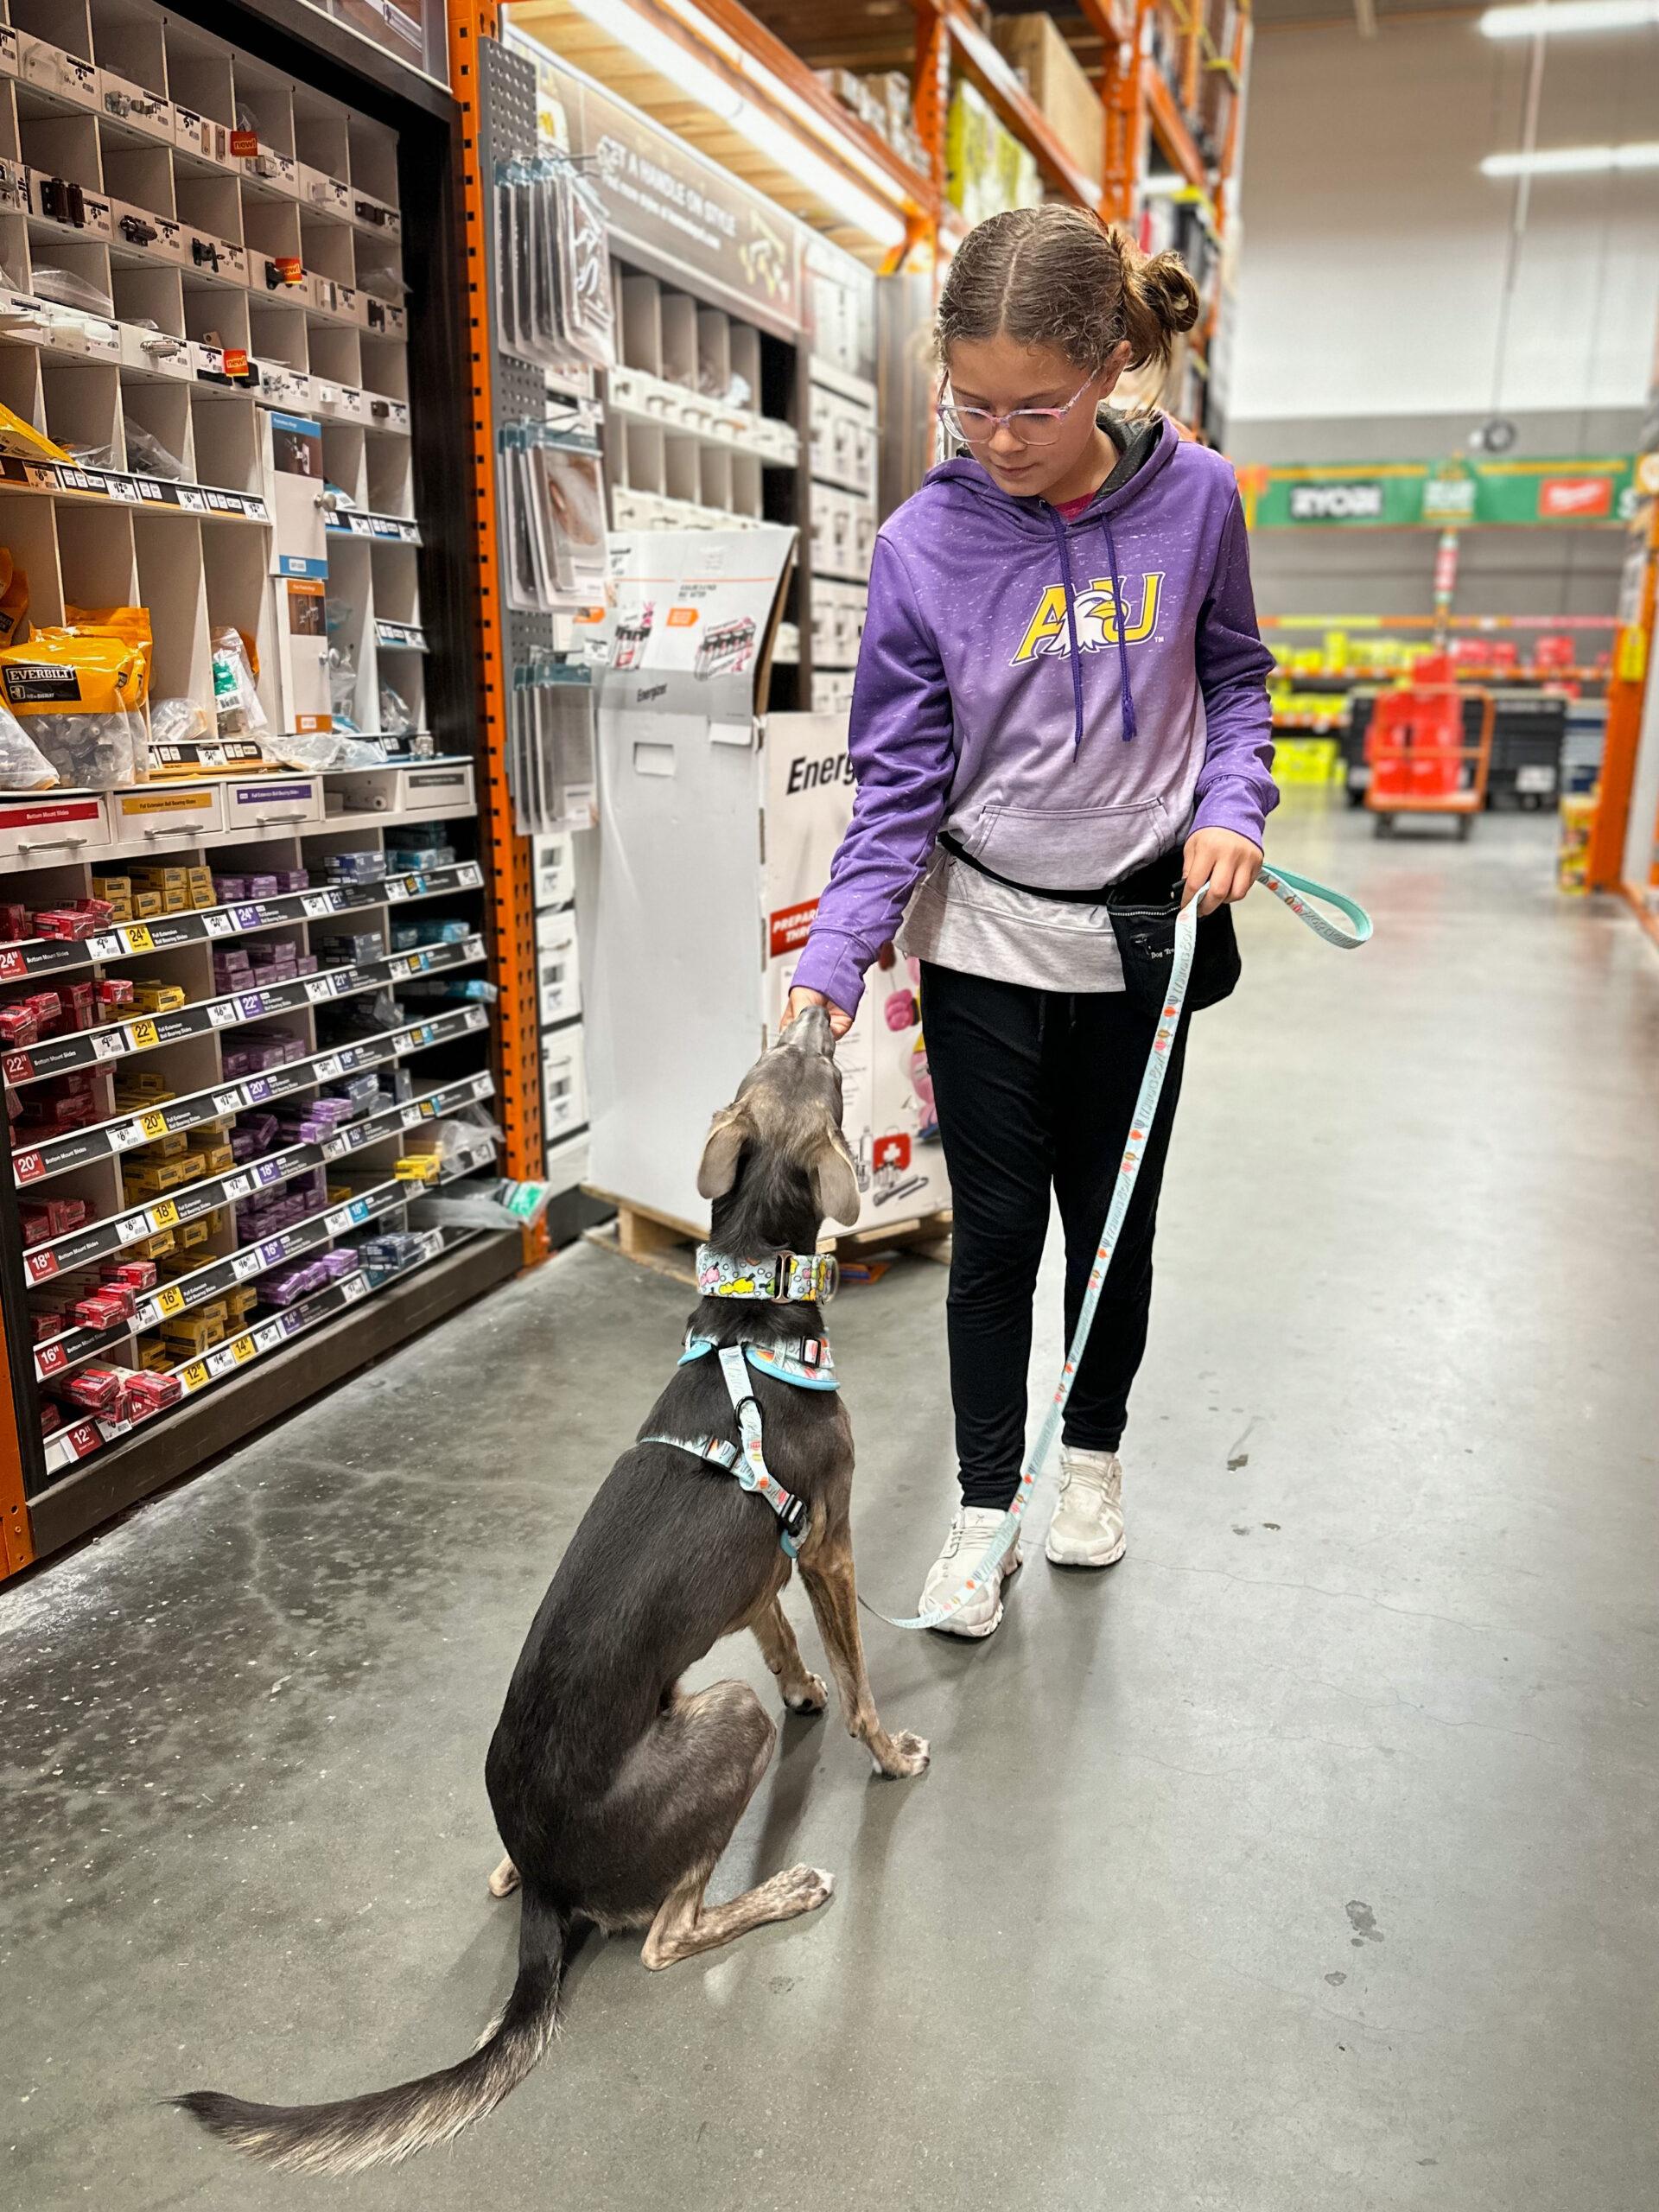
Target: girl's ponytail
x: 1159, y: 301
x: 1058, y: 275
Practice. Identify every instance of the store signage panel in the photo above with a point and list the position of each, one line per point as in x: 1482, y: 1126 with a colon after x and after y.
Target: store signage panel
x: 689, y: 218
x: 1410, y: 495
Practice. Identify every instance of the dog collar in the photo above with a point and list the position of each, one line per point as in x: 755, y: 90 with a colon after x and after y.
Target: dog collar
x: 782, y: 1277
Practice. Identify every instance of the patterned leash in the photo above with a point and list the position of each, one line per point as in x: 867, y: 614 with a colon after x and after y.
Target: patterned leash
x: 1295, y: 891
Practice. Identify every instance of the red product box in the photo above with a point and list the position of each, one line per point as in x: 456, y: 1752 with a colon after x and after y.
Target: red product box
x: 19, y: 1025
x: 135, y: 1275
x: 102, y: 1309
x: 14, y: 922
x: 51, y: 1419
x: 97, y: 1390
x: 144, y: 1393
x: 80, y: 1009
x: 64, y: 923
x: 115, y: 990
x: 36, y: 1223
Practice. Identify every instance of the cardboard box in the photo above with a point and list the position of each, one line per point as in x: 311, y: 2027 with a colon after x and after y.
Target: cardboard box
x: 1070, y: 103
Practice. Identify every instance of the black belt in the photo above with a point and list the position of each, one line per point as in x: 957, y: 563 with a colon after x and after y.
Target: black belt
x: 1150, y: 883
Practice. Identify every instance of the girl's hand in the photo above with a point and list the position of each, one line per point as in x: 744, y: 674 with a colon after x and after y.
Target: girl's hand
x: 1227, y: 862
x: 840, y: 1023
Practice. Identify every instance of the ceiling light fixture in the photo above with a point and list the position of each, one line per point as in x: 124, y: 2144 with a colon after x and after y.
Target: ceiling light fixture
x: 1573, y: 161
x: 1567, y: 18
x: 710, y: 89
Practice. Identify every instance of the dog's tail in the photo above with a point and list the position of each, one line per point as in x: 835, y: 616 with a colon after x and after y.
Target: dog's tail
x: 391, y: 2124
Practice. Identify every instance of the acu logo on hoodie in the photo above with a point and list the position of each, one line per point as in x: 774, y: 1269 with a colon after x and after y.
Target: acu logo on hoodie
x: 1096, y: 614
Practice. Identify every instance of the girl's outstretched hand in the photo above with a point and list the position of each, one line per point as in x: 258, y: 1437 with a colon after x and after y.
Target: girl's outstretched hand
x: 1227, y: 862
x: 840, y: 1023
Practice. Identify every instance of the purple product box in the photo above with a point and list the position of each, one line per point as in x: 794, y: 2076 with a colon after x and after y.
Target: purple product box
x: 236, y: 1061
x: 228, y: 889
x: 293, y: 878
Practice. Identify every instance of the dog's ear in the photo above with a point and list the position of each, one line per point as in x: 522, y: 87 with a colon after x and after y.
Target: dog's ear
x: 717, y: 1169
x: 835, y: 1185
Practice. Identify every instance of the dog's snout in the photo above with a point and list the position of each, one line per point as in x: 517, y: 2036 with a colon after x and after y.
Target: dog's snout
x: 810, y: 1032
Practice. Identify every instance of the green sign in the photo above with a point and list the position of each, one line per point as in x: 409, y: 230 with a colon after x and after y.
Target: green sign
x: 1427, y: 495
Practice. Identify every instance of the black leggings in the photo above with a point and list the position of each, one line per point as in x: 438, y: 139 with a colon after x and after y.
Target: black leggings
x: 1034, y: 1090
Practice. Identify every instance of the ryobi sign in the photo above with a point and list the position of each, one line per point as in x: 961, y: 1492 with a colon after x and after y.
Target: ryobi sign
x: 1358, y: 501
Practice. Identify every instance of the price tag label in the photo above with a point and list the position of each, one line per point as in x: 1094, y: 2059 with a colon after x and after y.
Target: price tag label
x: 468, y: 876
x: 135, y: 1226
x: 241, y: 1348
x: 227, y: 1102
x: 40, y: 1267
x: 164, y: 1214
x: 220, y: 1361
x: 12, y: 963
x: 141, y: 1036
x: 194, y: 1376
x: 154, y: 1123
x: 107, y: 1044
x: 320, y: 987
x: 83, y: 1437
x: 136, y: 937
x: 338, y: 1221
x: 257, y: 1087
x: 411, y: 1114
x: 18, y: 1067
x: 243, y: 1264
x: 124, y: 1135
x: 217, y: 925
x: 315, y: 904
x: 268, y: 1337
x: 49, y: 1358
x: 105, y: 946
x: 220, y: 1014
x: 334, y: 1146
x: 328, y: 1067
x: 27, y: 1166
x: 235, y: 1186
x: 353, y: 1289
x: 170, y: 1299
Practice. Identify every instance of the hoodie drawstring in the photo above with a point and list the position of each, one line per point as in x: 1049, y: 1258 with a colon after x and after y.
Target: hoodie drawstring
x: 1062, y: 540
x: 1122, y: 642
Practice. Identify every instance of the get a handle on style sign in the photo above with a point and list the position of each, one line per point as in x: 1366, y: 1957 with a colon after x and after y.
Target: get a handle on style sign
x: 1227, y: 862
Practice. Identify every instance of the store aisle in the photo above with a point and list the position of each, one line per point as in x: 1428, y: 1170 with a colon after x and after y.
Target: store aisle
x: 1305, y: 1859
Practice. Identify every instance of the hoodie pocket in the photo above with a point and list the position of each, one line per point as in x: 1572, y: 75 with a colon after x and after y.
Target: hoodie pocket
x: 1071, y: 847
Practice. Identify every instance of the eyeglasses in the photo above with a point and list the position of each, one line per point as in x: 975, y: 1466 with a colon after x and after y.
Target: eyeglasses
x: 1033, y: 426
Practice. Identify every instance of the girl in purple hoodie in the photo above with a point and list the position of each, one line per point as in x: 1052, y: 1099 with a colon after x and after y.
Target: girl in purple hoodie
x: 1061, y: 733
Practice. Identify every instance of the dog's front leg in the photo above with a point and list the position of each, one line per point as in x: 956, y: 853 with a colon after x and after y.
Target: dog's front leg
x: 831, y: 1586
x: 802, y: 1692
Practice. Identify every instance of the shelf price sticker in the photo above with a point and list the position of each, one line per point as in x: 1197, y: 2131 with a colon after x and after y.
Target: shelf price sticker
x: 315, y: 904
x: 124, y: 1135
x: 107, y: 1044
x: 217, y: 925
x: 242, y: 1348
x: 105, y: 946
x: 141, y: 1036
x: 18, y: 1067
x: 49, y: 1358
x: 328, y: 1068
x: 169, y: 1299
x: 268, y: 1336
x: 193, y: 1377
x: 163, y: 1215
x: 154, y: 1123
x: 40, y: 1266
x: 353, y: 1289
x: 14, y: 961
x: 27, y: 1166
x: 228, y: 1101
x: 136, y: 937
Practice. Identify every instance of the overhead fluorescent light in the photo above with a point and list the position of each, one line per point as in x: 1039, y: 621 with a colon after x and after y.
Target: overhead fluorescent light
x: 710, y: 89
x: 1567, y: 18
x: 1573, y: 161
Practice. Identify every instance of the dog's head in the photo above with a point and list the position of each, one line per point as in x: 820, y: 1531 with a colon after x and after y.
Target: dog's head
x: 778, y: 1144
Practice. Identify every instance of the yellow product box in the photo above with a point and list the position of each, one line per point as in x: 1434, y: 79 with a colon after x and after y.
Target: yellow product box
x: 172, y: 1145
x: 211, y: 1159
x: 112, y: 887
x: 215, y: 1310
x: 241, y: 1300
x: 155, y: 1355
x: 417, y: 1167
x: 195, y: 1332
x: 146, y: 905
x: 152, y: 997
x: 159, y: 1247
x: 154, y: 1179
x: 120, y: 911
x: 194, y: 1234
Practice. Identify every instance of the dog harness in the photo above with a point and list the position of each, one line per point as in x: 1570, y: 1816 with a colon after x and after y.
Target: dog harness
x: 780, y: 1276
x: 808, y: 1363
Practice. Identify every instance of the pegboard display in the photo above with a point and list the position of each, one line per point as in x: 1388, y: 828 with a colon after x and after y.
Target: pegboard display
x: 245, y: 1005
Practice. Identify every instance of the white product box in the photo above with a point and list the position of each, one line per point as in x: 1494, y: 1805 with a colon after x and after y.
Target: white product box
x: 564, y: 1083
x: 554, y: 859
x: 325, y: 194
x: 156, y: 352
x: 166, y: 814
x: 200, y: 134
x: 7, y: 51
x: 43, y: 831
x: 272, y: 802
x: 436, y: 794
x: 159, y: 238
x: 558, y: 968
x: 50, y: 69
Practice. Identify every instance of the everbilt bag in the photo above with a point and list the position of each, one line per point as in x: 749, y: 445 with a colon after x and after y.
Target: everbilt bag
x: 79, y: 696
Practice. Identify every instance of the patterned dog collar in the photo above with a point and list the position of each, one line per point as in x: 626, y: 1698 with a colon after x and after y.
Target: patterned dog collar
x: 781, y: 1276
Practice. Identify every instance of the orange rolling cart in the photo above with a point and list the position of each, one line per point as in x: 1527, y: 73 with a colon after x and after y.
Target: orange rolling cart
x: 1420, y: 760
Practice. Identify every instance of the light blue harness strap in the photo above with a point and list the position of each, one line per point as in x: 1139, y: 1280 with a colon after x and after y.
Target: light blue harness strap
x: 747, y: 1458
x: 1295, y: 892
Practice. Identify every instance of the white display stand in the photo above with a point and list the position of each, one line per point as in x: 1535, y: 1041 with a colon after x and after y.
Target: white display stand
x: 716, y: 832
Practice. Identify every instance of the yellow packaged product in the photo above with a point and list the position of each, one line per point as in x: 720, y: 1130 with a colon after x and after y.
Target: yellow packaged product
x: 80, y: 698
x: 131, y: 624
x: 21, y: 441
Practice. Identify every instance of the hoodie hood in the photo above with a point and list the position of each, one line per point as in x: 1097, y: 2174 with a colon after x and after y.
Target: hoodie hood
x: 1036, y: 517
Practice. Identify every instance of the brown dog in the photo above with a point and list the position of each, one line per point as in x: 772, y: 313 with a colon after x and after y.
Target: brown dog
x: 614, y: 1792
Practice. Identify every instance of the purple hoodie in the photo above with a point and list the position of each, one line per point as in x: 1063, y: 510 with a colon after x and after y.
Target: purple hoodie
x: 1001, y: 694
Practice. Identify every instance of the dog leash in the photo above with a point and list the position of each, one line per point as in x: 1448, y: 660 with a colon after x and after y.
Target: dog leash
x: 1295, y: 892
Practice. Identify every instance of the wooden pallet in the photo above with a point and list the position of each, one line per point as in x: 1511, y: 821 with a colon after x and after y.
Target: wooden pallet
x: 667, y: 1245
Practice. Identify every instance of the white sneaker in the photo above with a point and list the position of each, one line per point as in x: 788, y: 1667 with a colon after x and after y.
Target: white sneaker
x: 970, y: 1539
x: 1087, y: 1530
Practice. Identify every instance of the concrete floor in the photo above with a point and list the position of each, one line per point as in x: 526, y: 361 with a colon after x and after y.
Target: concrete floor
x: 1305, y: 1860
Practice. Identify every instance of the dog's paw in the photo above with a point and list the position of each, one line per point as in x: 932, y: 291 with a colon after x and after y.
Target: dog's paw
x: 505, y: 1880
x: 807, y: 1888
x: 811, y: 1697
x: 907, y: 1754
